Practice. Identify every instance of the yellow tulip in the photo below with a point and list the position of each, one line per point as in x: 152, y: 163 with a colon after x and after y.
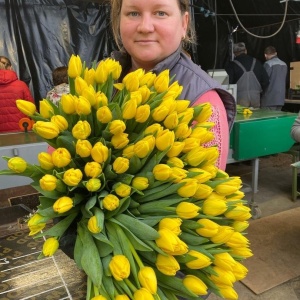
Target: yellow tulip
x: 128, y: 151
x: 239, y: 271
x: 140, y: 183
x: 90, y: 94
x: 74, y: 66
x: 111, y: 202
x: 190, y: 143
x: 223, y: 276
x: 26, y: 107
x: 208, y: 228
x: 145, y: 93
x: 100, y: 100
x: 17, y: 164
x: 243, y: 252
x: 237, y: 240
x: 119, y: 266
x: 174, y: 90
x: 186, y: 116
x: 99, y: 297
x: 122, y: 189
x: 46, y: 110
x: 153, y: 129
x: 240, y: 226
x: 229, y: 187
x: 223, y: 235
x: 72, y: 177
x: 83, y: 148
x: 171, y: 121
x: 196, y: 156
x: 104, y: 114
x: 63, y: 204
x: 45, y: 160
x: 225, y: 261
x: 48, y: 182
x: 89, y: 76
x: 93, y: 225
x: 92, y: 169
x: 178, y: 174
x: 182, y: 105
x: 35, y: 224
x: 142, y: 294
x: 183, y: 131
x: 82, y: 106
x: 119, y: 141
x: 170, y: 243
x: 80, y: 85
x: 201, y: 261
x: 67, y: 102
x: 167, y: 264
x: 239, y: 213
x: 147, y: 79
x: 147, y: 279
x: 141, y: 149
x: 99, y: 153
x: 61, y: 122
x: 136, y: 96
x: 203, y: 175
x: 175, y: 162
x: 161, y: 172
x: 205, y: 113
x: 121, y: 297
x: 161, y: 82
x: 142, y: 113
x: 160, y: 112
x: 61, y: 157
x: 50, y: 246
x: 46, y: 130
x: 172, y: 224
x: 150, y: 139
x: 120, y: 165
x: 189, y: 188
x: 81, y: 130
x: 214, y: 207
x: 117, y: 127
x: 187, y: 210
x: 195, y: 284
x: 129, y: 109
x: 203, y: 191
x: 176, y: 149
x: 227, y: 292
x: 93, y: 185
x: 164, y: 139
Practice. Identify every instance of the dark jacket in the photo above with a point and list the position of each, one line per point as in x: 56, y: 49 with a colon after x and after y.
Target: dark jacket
x: 194, y: 80
x: 235, y: 72
x: 11, y: 89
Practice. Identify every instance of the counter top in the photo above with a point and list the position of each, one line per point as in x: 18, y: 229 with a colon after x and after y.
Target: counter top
x: 19, y: 138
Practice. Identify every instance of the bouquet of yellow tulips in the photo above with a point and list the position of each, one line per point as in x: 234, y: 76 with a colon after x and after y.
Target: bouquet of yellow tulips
x: 154, y: 217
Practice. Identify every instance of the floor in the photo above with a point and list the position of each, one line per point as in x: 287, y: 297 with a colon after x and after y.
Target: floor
x: 274, y: 195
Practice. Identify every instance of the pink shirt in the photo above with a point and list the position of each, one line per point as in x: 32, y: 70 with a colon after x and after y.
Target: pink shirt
x: 220, y: 130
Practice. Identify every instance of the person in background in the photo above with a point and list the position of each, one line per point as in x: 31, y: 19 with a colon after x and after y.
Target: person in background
x: 11, y: 89
x: 61, y: 84
x: 152, y: 35
x: 274, y: 96
x: 249, y: 75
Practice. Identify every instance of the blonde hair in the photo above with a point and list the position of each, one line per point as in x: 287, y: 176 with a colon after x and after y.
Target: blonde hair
x: 115, y: 14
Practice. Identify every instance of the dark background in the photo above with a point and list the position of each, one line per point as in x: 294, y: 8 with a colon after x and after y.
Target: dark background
x: 40, y: 35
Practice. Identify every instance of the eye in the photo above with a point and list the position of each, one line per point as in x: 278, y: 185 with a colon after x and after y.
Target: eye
x: 161, y: 13
x: 133, y: 14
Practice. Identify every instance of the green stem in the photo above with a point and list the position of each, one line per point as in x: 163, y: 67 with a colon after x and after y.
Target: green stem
x: 96, y: 291
x: 130, y: 285
x: 136, y: 256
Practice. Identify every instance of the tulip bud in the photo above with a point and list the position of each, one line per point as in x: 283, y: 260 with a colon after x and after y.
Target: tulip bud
x: 129, y: 109
x: 141, y: 149
x: 167, y: 264
x: 203, y: 191
x: 189, y: 188
x: 175, y: 162
x: 214, y: 207
x: 225, y: 261
x: 72, y: 177
x: 201, y: 261
x: 121, y: 165
x: 119, y: 141
x: 100, y: 100
x: 117, y: 127
x: 243, y: 252
x: 171, y: 121
x: 202, y: 175
x: 161, y: 172
x: 104, y: 114
x: 239, y: 271
x: 74, y: 66
x: 237, y: 240
x: 67, y: 102
x: 26, y: 107
x: 122, y: 297
x: 142, y: 294
x: 60, y: 121
x: 164, y: 139
x: 227, y: 291
x: 142, y: 113
x: 111, y: 202
x: 239, y: 213
x: 140, y: 183
x: 222, y: 276
x: 183, y: 131
x: 122, y: 189
x: 176, y: 149
x: 174, y: 90
x: 145, y: 93
x: 81, y: 130
x: 240, y: 226
x: 17, y: 164
x: 172, y: 224
x: 35, y: 224
x: 223, y: 235
x: 92, y: 169
x: 50, y: 246
x: 99, y: 153
x: 46, y: 130
x: 48, y: 182
x: 119, y: 266
x: 160, y: 112
x: 161, y: 82
x: 45, y: 160
x: 61, y: 157
x: 182, y: 105
x: 46, y: 110
x: 128, y: 151
x: 93, y: 225
x: 131, y: 82
x: 99, y: 297
x: 80, y: 85
x: 63, y: 204
x: 153, y: 129
x: 93, y: 184
x: 195, y: 284
x: 83, y: 148
x: 209, y: 228
x: 147, y: 279
x: 89, y: 76
x: 205, y: 113
x: 186, y: 210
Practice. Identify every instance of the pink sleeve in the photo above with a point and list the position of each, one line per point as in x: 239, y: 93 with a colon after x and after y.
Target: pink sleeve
x: 220, y: 130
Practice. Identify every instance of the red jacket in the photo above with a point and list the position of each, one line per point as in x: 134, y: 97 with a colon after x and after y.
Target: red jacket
x: 11, y: 89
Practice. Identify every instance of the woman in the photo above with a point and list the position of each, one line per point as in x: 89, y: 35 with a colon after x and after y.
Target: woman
x: 151, y: 35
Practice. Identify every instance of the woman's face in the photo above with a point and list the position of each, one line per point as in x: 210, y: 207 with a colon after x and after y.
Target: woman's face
x: 151, y: 30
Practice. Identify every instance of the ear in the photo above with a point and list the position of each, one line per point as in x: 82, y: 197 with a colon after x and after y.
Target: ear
x: 185, y: 22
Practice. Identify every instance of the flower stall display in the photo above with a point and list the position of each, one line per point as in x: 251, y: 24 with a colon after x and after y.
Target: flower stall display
x: 153, y: 217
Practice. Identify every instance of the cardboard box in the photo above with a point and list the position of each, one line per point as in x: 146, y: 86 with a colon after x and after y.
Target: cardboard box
x: 295, y: 75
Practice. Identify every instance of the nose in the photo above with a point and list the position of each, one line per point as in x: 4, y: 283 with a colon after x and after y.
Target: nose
x: 146, y: 23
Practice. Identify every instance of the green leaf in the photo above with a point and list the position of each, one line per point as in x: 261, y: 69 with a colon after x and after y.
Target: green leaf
x: 90, y: 204
x: 78, y: 251
x: 104, y: 246
x: 193, y: 240
x: 123, y: 205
